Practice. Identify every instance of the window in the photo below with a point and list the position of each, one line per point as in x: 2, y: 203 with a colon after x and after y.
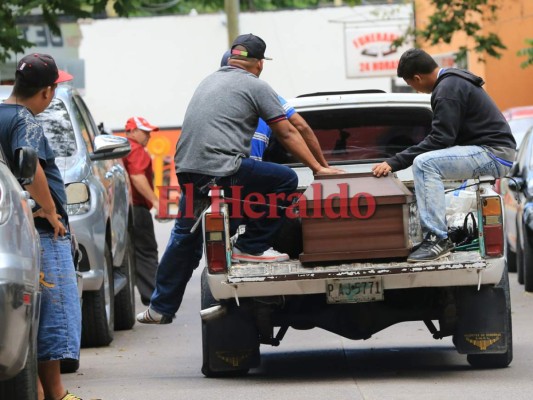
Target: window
x: 85, y: 132
x: 361, y: 134
x: 58, y: 128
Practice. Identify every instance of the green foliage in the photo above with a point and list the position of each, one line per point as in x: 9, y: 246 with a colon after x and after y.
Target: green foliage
x: 465, y: 16
x: 11, y: 11
x: 528, y: 53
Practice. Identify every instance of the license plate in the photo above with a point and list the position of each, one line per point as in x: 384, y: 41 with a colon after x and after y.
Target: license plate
x: 354, y: 290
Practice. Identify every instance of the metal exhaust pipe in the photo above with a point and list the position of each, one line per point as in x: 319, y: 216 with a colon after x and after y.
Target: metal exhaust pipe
x: 213, y: 312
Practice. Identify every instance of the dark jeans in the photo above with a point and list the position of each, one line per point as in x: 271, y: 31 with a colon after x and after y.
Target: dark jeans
x: 184, y: 249
x: 146, y: 256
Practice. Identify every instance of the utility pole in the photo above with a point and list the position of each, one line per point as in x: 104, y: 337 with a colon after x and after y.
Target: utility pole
x: 232, y: 8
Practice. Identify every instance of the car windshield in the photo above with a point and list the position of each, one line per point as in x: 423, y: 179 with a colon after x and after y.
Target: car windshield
x: 58, y: 128
x: 360, y: 134
x: 519, y: 127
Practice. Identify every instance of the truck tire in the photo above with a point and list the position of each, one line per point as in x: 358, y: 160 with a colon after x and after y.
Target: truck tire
x: 24, y: 385
x: 229, y: 333
x: 125, y: 299
x: 97, y: 321
x: 486, y: 361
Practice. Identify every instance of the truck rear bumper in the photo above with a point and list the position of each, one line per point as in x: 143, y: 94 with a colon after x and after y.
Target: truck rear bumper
x: 292, y: 278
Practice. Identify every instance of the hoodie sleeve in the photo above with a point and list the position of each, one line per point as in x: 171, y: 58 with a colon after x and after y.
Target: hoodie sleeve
x: 447, y: 115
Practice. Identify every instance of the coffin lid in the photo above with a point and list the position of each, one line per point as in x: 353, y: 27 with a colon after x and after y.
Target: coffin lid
x: 385, y: 190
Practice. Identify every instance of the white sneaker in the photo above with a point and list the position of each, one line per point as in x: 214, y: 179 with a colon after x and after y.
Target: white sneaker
x: 153, y: 317
x: 267, y: 256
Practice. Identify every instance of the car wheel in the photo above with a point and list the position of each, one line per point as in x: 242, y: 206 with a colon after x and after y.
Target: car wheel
x: 98, y: 309
x: 504, y: 359
x: 24, y: 385
x: 69, y: 365
x: 125, y: 299
x: 510, y: 258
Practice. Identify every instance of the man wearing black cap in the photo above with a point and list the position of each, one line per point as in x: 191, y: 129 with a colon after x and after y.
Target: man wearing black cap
x: 214, y: 148
x: 59, y: 332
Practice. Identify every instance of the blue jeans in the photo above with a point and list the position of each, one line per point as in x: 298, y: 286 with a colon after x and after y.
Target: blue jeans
x: 184, y: 249
x: 431, y: 168
x: 60, y: 321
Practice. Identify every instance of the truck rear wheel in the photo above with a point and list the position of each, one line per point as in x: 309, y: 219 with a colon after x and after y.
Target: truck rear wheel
x: 230, y: 345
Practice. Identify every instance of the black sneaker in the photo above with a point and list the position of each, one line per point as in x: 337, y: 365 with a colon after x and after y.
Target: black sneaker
x: 431, y: 249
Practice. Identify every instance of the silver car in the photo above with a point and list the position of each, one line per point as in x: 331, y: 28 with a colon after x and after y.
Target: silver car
x: 19, y: 283
x: 100, y: 212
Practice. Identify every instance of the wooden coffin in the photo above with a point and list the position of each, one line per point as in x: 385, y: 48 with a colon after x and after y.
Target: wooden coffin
x: 355, y: 216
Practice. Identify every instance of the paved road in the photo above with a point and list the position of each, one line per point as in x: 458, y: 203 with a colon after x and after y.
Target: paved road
x: 402, y: 362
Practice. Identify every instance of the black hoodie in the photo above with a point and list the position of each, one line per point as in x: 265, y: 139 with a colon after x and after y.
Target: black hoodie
x: 463, y: 115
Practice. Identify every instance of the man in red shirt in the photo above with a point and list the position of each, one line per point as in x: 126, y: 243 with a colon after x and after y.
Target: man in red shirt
x: 139, y: 166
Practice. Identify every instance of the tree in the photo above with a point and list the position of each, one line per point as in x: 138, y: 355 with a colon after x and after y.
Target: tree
x: 12, y: 11
x: 463, y: 16
x: 527, y: 52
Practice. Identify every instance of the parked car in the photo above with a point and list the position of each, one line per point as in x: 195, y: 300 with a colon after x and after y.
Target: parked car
x: 19, y: 281
x: 517, y: 192
x: 351, y: 277
x: 520, y: 119
x: 100, y: 212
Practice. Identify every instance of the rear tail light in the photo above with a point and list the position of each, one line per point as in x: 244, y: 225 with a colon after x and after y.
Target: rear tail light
x: 215, y: 243
x: 491, y: 211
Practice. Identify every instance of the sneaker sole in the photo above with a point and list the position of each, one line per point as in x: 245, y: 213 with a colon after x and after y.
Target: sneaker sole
x: 430, y: 259
x: 257, y: 260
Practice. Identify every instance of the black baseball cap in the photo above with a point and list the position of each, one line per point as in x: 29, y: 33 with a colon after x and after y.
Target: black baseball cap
x: 254, y: 45
x: 40, y: 70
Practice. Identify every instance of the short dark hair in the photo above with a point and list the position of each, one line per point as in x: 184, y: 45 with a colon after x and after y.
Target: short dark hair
x: 23, y: 90
x: 415, y: 61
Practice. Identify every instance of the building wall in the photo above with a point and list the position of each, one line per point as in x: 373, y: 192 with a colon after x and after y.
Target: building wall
x: 151, y: 66
x: 507, y: 83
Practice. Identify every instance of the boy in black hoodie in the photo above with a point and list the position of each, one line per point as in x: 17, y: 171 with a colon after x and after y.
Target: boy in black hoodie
x: 469, y: 137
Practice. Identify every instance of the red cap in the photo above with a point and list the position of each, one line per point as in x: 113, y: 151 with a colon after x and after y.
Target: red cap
x: 140, y: 123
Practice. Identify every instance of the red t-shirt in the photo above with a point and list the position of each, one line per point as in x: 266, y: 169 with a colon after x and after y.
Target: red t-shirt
x: 139, y: 162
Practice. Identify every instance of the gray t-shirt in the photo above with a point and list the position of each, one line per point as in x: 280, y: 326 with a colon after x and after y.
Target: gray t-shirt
x: 220, y: 121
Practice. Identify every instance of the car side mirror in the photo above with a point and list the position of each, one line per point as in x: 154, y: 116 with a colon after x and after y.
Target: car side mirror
x: 25, y: 164
x: 109, y: 147
x: 515, y: 184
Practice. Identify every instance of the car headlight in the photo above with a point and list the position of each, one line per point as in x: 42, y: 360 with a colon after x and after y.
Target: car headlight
x: 78, y: 198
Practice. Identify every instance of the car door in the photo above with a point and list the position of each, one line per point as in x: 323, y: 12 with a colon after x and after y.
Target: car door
x: 516, y: 201
x: 113, y: 177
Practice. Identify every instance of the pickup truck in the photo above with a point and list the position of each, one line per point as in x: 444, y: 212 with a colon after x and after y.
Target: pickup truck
x: 464, y: 295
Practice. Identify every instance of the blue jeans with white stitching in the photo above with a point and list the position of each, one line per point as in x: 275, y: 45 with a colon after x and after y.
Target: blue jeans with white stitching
x: 59, y: 333
x: 184, y: 249
x: 431, y: 168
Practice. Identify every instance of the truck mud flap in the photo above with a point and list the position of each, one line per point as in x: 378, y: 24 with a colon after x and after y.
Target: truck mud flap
x: 230, y: 342
x: 484, y: 323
